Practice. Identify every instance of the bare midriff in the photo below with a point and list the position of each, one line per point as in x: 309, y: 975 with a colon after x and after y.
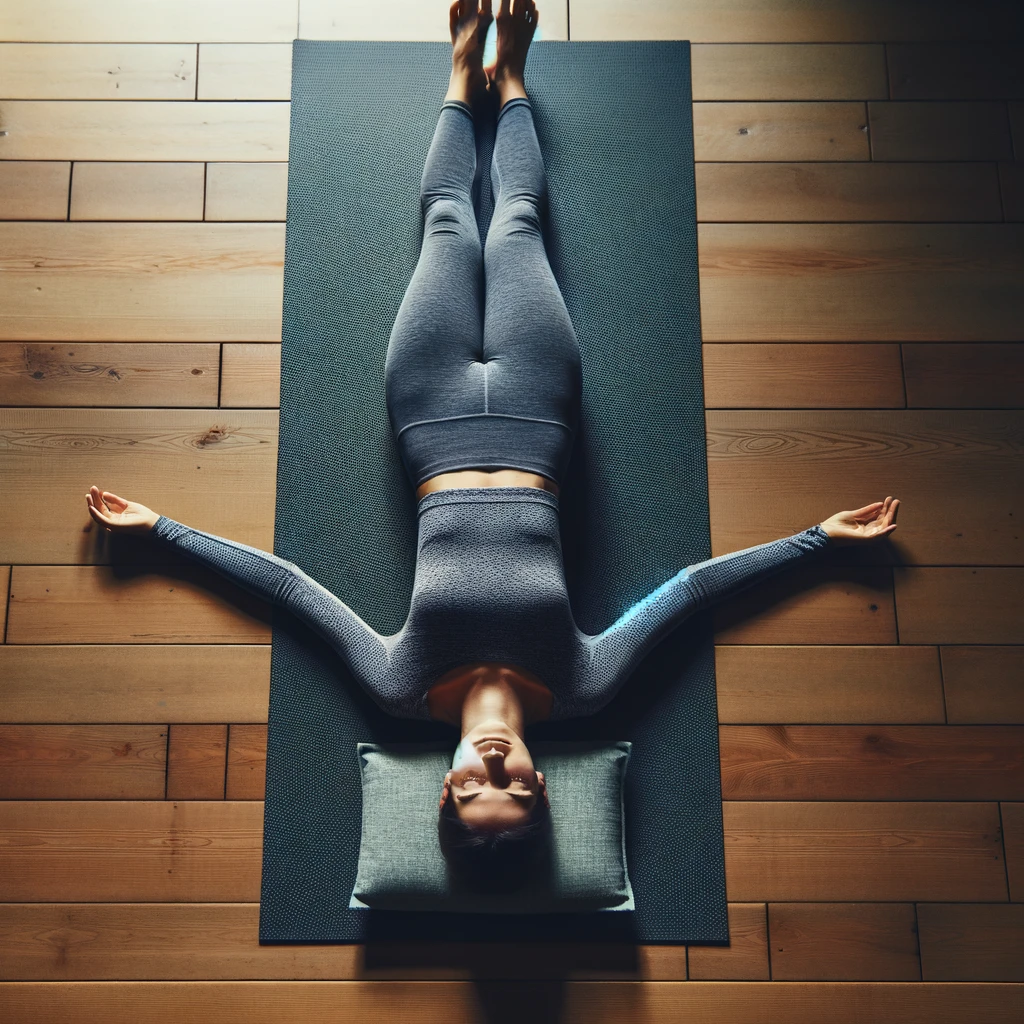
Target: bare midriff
x: 485, y: 478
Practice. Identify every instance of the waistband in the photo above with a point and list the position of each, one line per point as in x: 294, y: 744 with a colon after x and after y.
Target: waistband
x: 486, y: 496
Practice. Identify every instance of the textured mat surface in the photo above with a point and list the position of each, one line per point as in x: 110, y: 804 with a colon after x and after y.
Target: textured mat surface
x: 621, y: 237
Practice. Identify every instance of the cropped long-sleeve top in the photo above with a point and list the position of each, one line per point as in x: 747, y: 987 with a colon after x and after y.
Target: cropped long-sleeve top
x: 489, y: 586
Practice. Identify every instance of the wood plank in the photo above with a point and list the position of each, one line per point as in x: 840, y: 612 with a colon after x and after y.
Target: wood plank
x: 812, y: 605
x: 245, y: 71
x: 196, y: 760
x: 780, y: 131
x: 809, y: 376
x: 409, y: 20
x: 250, y: 376
x: 65, y: 941
x: 186, y: 20
x: 157, y: 282
x: 247, y: 763
x: 133, y: 683
x: 931, y: 130
x: 1011, y: 184
x: 249, y: 192
x: 34, y: 189
x: 855, y: 762
x: 461, y: 1002
x: 818, y: 684
x: 984, y: 685
x: 843, y: 942
x: 134, y: 604
x: 860, y: 282
x: 788, y: 21
x: 96, y: 374
x: 84, y: 762
x: 788, y: 71
x: 853, y: 851
x: 954, y: 376
x: 772, y: 474
x: 137, y: 191
x: 971, y: 942
x: 194, y: 466
x: 144, y: 130
x: 1013, y: 839
x: 847, y: 192
x: 5, y: 586
x: 128, y: 851
x: 960, y: 605
x: 956, y: 71
x: 97, y: 71
x: 746, y: 956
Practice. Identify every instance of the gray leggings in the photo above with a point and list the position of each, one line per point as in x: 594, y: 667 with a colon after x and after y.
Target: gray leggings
x: 483, y: 368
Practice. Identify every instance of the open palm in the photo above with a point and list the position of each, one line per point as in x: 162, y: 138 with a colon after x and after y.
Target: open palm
x: 119, y: 515
x: 868, y: 523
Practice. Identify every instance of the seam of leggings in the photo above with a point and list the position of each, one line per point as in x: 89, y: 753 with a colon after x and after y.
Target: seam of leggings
x: 483, y: 415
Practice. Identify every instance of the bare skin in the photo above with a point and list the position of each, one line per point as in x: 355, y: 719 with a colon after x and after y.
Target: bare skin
x: 493, y: 780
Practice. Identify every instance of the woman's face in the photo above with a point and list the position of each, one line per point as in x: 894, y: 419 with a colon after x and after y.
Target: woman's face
x: 492, y: 778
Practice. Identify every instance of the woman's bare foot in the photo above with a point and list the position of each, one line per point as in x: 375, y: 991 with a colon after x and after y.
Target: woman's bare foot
x: 469, y: 27
x: 515, y: 33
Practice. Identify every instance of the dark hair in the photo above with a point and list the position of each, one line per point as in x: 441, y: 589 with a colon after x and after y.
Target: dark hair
x: 490, y: 860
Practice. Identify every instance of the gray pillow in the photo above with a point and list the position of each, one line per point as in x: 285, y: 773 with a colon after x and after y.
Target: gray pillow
x: 401, y: 866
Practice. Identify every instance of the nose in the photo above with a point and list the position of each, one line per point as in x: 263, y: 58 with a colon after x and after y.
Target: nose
x: 494, y: 765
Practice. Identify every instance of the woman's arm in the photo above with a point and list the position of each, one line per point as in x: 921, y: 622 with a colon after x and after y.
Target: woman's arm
x: 613, y: 654
x: 260, y: 573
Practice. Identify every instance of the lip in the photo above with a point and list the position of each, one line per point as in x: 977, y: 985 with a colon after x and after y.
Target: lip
x: 494, y: 741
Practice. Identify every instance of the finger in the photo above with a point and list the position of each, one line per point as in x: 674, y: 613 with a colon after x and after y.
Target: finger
x: 893, y: 509
x: 115, y: 501
x: 867, y: 512
x: 97, y: 496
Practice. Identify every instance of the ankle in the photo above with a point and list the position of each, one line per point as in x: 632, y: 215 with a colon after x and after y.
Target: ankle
x: 510, y: 87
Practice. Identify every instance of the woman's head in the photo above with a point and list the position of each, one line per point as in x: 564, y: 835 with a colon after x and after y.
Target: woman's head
x: 494, y: 822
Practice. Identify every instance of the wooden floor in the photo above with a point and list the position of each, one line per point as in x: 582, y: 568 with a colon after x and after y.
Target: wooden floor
x: 861, y: 198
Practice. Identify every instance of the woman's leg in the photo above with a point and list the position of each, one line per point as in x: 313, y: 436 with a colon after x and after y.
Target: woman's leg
x: 530, y: 349
x: 433, y: 364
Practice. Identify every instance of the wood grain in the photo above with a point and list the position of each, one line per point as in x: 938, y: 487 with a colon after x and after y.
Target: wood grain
x: 5, y: 581
x: 155, y: 282
x: 196, y: 760
x: 746, y: 956
x: 850, y: 762
x: 246, y: 192
x: 788, y: 71
x: 97, y: 605
x: 964, y: 376
x: 960, y: 605
x: 247, y: 763
x: 144, y: 130
x: 133, y: 683
x: 1011, y: 184
x: 127, y: 851
x: 984, y: 685
x: 782, y: 376
x: 860, y: 282
x: 772, y: 474
x: 813, y: 605
x: 956, y: 71
x: 34, y: 189
x: 194, y: 20
x: 94, y: 374
x: 250, y: 376
x: 843, y: 942
x: 461, y: 1002
x: 245, y: 71
x: 852, y: 851
x: 84, y: 762
x: 825, y: 192
x: 137, y: 191
x: 819, y: 684
x: 211, y: 470
x: 971, y: 942
x: 1013, y: 839
x: 939, y: 131
x: 734, y: 21
x: 780, y: 131
x: 97, y: 71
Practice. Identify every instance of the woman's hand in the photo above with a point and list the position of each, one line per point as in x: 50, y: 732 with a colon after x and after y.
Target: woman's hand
x: 868, y: 523
x: 118, y: 515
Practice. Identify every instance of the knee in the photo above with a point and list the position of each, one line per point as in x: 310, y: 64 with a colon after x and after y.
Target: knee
x: 518, y: 214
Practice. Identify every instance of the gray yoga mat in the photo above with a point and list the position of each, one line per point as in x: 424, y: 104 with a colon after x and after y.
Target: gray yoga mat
x: 615, y: 125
